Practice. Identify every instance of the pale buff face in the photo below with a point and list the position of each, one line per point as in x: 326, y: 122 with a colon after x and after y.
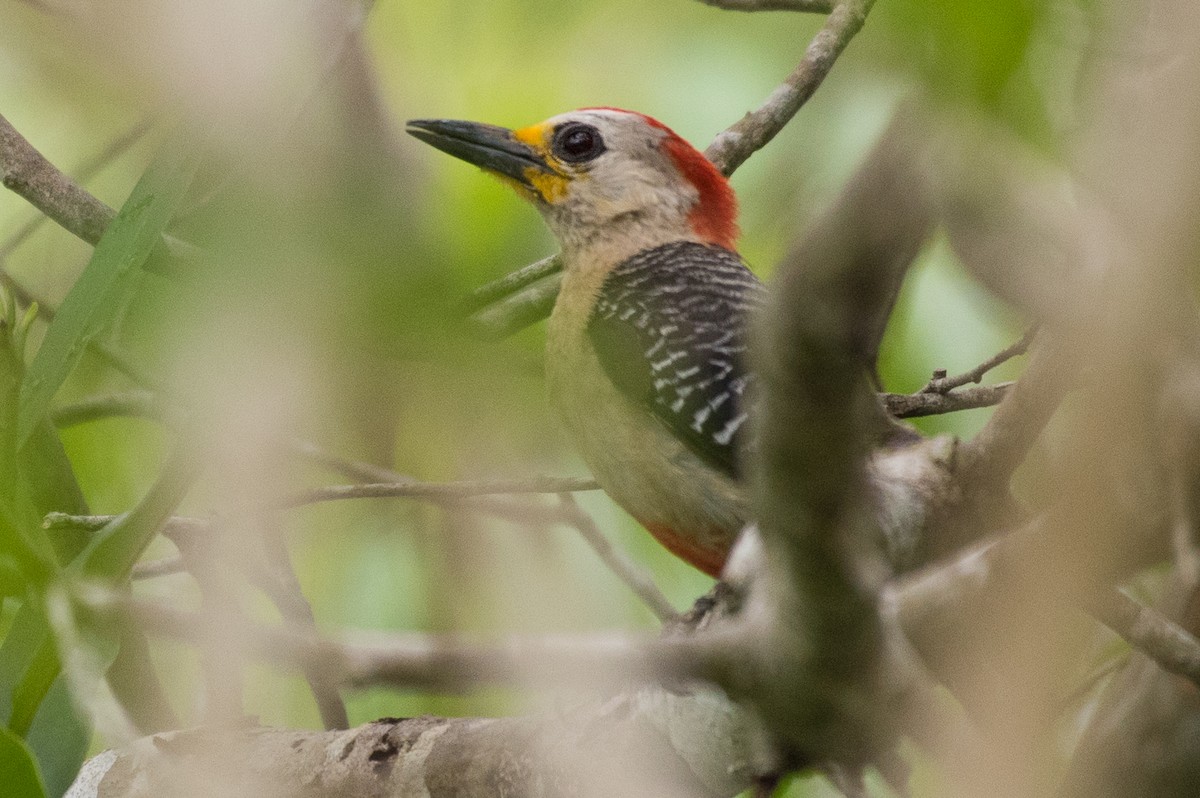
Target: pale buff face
x: 623, y: 185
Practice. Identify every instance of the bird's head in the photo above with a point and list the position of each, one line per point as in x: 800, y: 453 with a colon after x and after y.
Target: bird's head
x: 600, y: 173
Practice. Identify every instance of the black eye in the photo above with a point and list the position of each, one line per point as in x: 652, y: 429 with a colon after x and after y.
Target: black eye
x: 577, y: 142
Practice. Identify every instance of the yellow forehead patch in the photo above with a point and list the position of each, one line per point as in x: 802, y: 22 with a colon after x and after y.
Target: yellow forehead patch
x: 534, y: 135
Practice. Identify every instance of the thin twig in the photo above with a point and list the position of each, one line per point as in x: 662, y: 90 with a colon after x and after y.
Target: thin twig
x: 281, y: 585
x: 1152, y: 633
x: 635, y: 578
x: 222, y: 662
x: 449, y: 664
x: 166, y: 566
x: 477, y: 487
x: 943, y: 384
x: 806, y: 6
x: 734, y: 145
x: 989, y: 459
x: 915, y: 405
x: 26, y: 171
x: 175, y: 525
x: 87, y: 170
x: 510, y: 284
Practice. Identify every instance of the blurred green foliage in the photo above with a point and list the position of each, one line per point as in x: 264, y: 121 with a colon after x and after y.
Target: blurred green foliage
x: 327, y: 309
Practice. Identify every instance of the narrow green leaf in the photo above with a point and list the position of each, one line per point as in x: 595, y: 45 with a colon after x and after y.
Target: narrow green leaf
x: 42, y: 670
x: 116, y: 547
x: 50, y: 483
x: 98, y: 296
x: 18, y: 773
x: 59, y: 739
x: 21, y: 540
x: 25, y: 636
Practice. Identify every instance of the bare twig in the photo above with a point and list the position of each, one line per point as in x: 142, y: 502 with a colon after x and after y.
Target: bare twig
x: 529, y: 303
x: 166, y: 566
x: 86, y: 171
x: 943, y: 384
x: 281, y: 585
x: 808, y: 6
x: 526, y: 296
x: 915, y: 405
x: 1154, y: 634
x: 989, y: 459
x: 174, y: 526
x: 27, y: 172
x: 448, y: 664
x: 637, y: 579
x: 464, y: 488
x: 510, y: 284
x: 735, y: 144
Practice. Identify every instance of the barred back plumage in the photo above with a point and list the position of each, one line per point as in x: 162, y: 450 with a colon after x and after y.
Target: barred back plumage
x: 669, y: 329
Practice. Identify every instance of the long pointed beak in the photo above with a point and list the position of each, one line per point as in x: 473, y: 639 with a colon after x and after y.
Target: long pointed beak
x: 488, y: 146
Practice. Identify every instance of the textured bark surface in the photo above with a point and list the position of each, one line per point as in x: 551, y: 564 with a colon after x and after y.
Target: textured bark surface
x: 649, y: 742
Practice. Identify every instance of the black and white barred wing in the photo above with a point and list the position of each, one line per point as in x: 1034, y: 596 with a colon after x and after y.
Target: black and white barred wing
x: 669, y: 328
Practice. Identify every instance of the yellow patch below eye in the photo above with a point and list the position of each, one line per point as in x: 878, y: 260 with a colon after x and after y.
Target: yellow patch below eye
x: 552, y: 187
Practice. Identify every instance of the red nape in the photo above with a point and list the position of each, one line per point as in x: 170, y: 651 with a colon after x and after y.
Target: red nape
x: 714, y: 218
x: 707, y: 560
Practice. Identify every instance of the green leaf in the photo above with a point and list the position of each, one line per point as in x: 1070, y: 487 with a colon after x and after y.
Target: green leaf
x: 42, y: 669
x: 59, y: 739
x: 50, y: 483
x: 21, y: 540
x: 117, y: 546
x: 18, y: 773
x: 25, y: 636
x: 99, y: 295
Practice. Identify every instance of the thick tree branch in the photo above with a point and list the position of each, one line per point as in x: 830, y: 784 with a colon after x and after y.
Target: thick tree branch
x: 638, y: 744
x: 825, y: 645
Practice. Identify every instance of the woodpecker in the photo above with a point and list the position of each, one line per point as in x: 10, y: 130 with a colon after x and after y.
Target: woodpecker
x: 646, y: 345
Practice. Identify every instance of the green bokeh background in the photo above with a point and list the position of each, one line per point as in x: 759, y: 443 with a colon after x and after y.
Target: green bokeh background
x: 364, y: 297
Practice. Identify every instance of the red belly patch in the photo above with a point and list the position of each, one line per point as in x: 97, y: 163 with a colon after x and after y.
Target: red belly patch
x: 685, y: 547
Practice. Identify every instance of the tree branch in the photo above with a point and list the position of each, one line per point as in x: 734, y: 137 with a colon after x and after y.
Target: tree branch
x: 638, y: 744
x: 1174, y: 648
x: 915, y: 405
x: 735, y: 144
x: 635, y: 577
x: 26, y: 171
x: 464, y: 488
x: 943, y: 384
x: 808, y: 6
x: 825, y: 647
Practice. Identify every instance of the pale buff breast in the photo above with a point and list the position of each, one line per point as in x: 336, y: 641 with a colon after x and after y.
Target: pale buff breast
x: 637, y: 461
